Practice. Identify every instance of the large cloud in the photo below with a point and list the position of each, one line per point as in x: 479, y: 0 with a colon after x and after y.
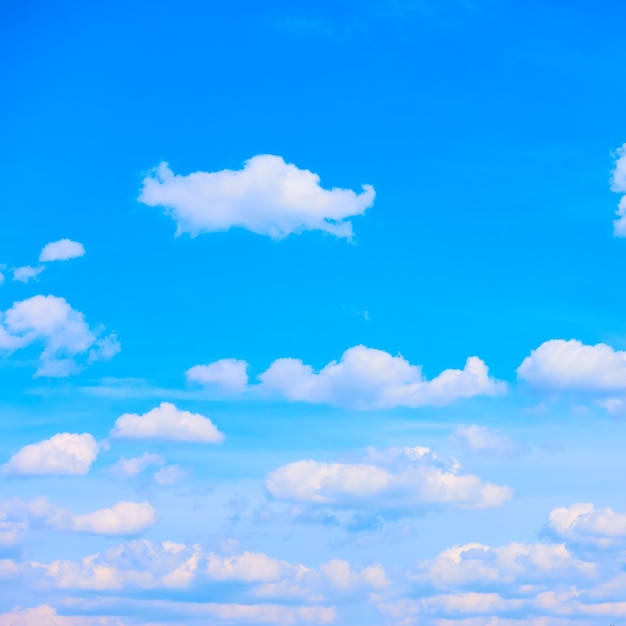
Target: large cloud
x: 64, y: 453
x: 62, y: 331
x: 618, y: 184
x: 268, y: 197
x: 396, y: 478
x: 167, y: 422
x: 597, y: 371
x: 61, y: 250
x: 365, y: 378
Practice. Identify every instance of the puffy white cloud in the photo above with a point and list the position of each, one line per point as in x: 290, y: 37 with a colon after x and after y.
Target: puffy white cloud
x: 64, y: 453
x: 47, y: 616
x: 342, y: 576
x: 484, y: 440
x: 366, y: 378
x: 618, y: 184
x: 26, y: 273
x: 558, y: 364
x: 63, y: 332
x: 393, y: 478
x: 123, y: 518
x: 247, y: 567
x: 229, y: 374
x: 515, y: 562
x: 61, y: 250
x: 583, y: 523
x: 132, y: 467
x: 268, y: 197
x: 167, y: 422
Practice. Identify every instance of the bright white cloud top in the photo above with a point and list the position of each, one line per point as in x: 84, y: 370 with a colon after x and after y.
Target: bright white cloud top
x: 65, y: 453
x: 618, y: 184
x: 364, y: 378
x: 268, y: 197
x: 584, y: 524
x: 167, y: 422
x: 395, y: 478
x: 61, y: 330
x: 61, y: 250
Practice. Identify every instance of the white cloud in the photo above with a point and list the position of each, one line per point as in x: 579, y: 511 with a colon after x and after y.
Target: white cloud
x: 366, y: 378
x: 64, y: 453
x: 47, y: 616
x: 229, y: 374
x: 167, y: 422
x: 618, y: 184
x: 583, y: 523
x: 484, y: 440
x: 63, y: 332
x: 247, y: 567
x: 132, y: 467
x: 169, y: 475
x: 268, y: 197
x: 61, y: 250
x: 26, y: 273
x: 123, y: 518
x: 393, y: 478
x: 342, y: 576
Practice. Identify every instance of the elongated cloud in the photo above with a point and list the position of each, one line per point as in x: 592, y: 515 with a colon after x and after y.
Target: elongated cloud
x: 396, y: 478
x: 167, y: 422
x: 65, y: 453
x: 618, y: 184
x: 61, y: 330
x: 364, y: 378
x: 45, y: 615
x: 268, y: 197
x: 61, y: 250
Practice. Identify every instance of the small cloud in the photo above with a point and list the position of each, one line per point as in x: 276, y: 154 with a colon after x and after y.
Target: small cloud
x: 268, y: 197
x: 618, y: 184
x: 229, y: 374
x: 169, y: 475
x: 27, y: 273
x: 65, y: 453
x: 123, y: 518
x: 61, y: 250
x: 132, y: 467
x: 481, y: 439
x: 167, y: 422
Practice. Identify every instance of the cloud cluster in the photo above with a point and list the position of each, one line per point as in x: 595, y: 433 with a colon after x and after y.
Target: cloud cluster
x: 62, y: 331
x: 64, y: 453
x: 364, y: 378
x: 268, y: 196
x: 618, y: 184
x: 167, y: 422
x: 396, y: 478
x: 45, y: 615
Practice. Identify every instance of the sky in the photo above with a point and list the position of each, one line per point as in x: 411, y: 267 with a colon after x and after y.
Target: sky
x: 312, y: 313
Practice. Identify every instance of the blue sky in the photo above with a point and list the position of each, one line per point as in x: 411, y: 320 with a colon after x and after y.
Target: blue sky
x: 312, y: 314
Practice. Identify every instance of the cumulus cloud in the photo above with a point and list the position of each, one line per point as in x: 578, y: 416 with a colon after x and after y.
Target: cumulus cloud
x: 268, y: 197
x: 481, y: 439
x: 61, y: 330
x: 61, y: 250
x: 64, y: 453
x: 618, y: 184
x: 123, y: 518
x: 47, y: 616
x: 582, y: 523
x: 26, y: 273
x: 167, y: 422
x: 597, y: 371
x: 229, y: 374
x: 395, y: 478
x: 367, y: 378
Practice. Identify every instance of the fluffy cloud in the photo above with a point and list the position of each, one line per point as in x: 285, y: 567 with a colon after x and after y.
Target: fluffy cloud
x: 395, y: 478
x: 268, y: 197
x: 484, y: 440
x: 167, y: 422
x: 47, y: 616
x: 582, y: 523
x: 366, y: 378
x: 123, y: 518
x: 62, y: 331
x: 342, y: 576
x: 26, y: 273
x: 61, y: 250
x: 65, y: 453
x: 618, y: 184
x: 229, y: 374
